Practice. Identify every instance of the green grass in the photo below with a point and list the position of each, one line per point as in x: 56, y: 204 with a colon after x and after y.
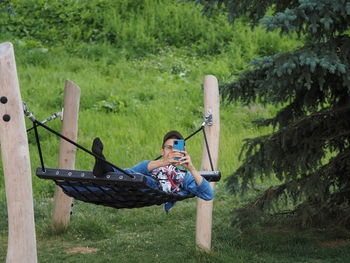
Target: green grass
x: 151, y: 94
x: 157, y: 99
x: 134, y: 28
x: 150, y: 235
x: 159, y: 93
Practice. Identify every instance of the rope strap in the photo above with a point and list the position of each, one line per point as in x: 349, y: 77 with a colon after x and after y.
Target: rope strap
x: 82, y: 148
x: 208, y: 121
x: 37, y: 123
x: 52, y: 117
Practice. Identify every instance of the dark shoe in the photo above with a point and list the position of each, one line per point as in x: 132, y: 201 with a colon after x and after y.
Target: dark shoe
x: 100, y: 167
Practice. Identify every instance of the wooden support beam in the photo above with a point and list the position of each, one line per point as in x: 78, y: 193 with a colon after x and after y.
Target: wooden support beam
x: 16, y: 163
x: 205, y: 208
x: 63, y: 203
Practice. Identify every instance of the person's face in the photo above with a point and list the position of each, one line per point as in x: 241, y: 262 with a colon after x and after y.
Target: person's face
x: 168, y: 146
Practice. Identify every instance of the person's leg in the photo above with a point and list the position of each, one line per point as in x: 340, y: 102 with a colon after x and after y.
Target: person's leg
x: 141, y: 168
x: 152, y: 182
x: 100, y: 167
x: 149, y: 180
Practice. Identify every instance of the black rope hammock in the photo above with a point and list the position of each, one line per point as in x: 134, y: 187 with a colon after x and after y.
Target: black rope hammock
x: 115, y: 189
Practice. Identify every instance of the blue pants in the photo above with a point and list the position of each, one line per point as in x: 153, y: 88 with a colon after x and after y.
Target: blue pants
x: 141, y: 168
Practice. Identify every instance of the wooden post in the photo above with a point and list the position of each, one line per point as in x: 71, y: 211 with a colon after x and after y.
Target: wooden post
x: 16, y: 163
x: 63, y: 203
x: 205, y: 208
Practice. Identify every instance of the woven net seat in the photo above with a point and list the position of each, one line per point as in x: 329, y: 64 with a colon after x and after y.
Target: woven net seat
x: 113, y: 189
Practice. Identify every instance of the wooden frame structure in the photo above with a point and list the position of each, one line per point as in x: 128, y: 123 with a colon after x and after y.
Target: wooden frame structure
x: 16, y: 163
x: 63, y: 203
x: 17, y: 170
x: 61, y: 215
x: 205, y: 208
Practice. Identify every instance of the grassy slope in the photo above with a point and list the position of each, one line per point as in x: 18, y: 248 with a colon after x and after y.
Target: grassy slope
x: 149, y: 235
x: 161, y: 92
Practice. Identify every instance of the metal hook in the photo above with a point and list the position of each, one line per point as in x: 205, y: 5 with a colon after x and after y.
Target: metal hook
x: 27, y: 113
x: 209, y: 118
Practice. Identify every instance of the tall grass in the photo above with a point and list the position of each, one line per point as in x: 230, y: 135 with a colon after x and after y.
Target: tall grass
x: 158, y: 93
x: 140, y: 66
x: 137, y: 26
x: 133, y: 28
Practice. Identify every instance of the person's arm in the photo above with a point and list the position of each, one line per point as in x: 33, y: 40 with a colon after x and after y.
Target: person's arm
x: 166, y: 160
x: 203, y: 190
x: 155, y: 164
x: 186, y: 162
x: 197, y: 177
x: 194, y: 182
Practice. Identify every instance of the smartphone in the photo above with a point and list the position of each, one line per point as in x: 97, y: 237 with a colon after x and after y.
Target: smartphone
x: 179, y: 145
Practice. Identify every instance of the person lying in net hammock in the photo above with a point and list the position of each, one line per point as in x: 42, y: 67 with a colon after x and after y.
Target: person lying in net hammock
x: 164, y: 174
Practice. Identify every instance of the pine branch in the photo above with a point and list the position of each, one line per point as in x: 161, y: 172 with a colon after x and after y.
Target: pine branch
x: 309, y: 151
x: 313, y: 186
x: 270, y: 195
x: 318, y: 19
x: 253, y: 9
x: 318, y: 70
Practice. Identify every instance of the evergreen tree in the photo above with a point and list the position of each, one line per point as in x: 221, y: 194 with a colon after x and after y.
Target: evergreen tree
x: 309, y: 148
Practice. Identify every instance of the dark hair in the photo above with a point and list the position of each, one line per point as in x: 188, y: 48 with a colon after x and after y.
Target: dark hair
x: 172, y: 135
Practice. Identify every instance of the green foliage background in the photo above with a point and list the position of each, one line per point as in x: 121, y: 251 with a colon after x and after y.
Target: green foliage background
x: 140, y: 66
x: 135, y: 27
x: 129, y: 82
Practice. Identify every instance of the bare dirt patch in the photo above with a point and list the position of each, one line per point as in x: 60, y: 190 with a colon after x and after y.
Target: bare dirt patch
x: 82, y: 250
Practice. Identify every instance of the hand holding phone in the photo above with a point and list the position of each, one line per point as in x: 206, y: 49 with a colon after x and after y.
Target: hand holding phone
x: 179, y: 145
